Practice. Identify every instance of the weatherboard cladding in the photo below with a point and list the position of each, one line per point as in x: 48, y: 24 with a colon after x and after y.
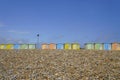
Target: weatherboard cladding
x: 115, y: 46
x: 67, y: 46
x: 89, y: 46
x: 75, y: 46
x: 60, y: 46
x: 98, y: 46
x: 16, y: 46
x: 32, y: 46
x: 45, y: 46
x: 107, y: 46
x: 23, y: 46
x: 9, y: 46
x: 2, y: 46
x: 118, y: 48
x: 52, y: 46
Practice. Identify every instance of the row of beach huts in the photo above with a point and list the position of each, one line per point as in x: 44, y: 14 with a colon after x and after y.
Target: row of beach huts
x: 69, y: 46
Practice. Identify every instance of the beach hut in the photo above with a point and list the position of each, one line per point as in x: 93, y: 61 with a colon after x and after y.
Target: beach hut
x: 23, y: 46
x: 67, y: 46
x: 45, y: 46
x: 115, y: 46
x: 98, y: 46
x: 32, y: 46
x: 2, y: 46
x: 9, y: 46
x: 118, y: 47
x: 16, y: 46
x: 60, y: 46
x: 76, y: 46
x: 89, y: 46
x: 52, y: 46
x: 107, y: 46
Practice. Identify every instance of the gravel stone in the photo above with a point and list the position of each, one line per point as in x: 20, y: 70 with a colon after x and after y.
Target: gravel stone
x: 59, y: 65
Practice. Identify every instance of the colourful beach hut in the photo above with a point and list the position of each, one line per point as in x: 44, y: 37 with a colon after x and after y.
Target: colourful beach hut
x: 32, y: 46
x: 118, y: 48
x: 89, y: 46
x: 16, y: 46
x: 2, y: 46
x: 23, y: 46
x: 98, y: 46
x: 45, y: 46
x: 52, y: 46
x: 9, y: 46
x: 67, y: 46
x: 76, y: 46
x: 107, y: 46
x: 115, y: 46
x: 60, y: 46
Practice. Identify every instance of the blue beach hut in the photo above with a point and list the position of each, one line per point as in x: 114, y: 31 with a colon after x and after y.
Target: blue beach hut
x: 16, y: 46
x: 60, y: 46
x: 107, y: 46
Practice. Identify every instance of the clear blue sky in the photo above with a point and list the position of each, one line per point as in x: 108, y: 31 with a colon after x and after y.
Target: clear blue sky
x: 60, y: 20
